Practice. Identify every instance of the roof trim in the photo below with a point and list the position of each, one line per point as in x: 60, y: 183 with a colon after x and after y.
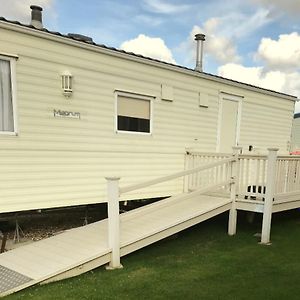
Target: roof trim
x: 58, y: 37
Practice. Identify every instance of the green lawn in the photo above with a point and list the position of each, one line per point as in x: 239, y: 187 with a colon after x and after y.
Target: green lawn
x: 200, y: 263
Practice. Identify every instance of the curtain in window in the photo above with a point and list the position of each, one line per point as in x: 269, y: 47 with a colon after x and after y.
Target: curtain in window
x: 135, y: 108
x: 6, y: 109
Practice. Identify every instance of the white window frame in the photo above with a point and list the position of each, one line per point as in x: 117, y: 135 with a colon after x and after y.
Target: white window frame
x: 138, y: 97
x: 12, y: 59
x: 230, y: 97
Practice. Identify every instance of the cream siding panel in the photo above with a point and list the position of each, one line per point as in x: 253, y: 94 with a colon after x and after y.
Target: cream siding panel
x: 75, y: 178
x: 59, y: 162
x: 296, y: 134
x: 266, y: 122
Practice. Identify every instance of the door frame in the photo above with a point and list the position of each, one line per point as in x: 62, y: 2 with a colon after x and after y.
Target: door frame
x: 230, y: 97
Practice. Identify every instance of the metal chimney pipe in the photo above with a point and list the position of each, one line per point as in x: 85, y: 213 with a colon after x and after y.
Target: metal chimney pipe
x: 36, y: 16
x: 199, y: 38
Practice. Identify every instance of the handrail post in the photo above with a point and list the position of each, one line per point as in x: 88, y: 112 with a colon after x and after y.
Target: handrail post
x: 113, y: 222
x: 186, y: 178
x: 270, y: 191
x: 233, y: 191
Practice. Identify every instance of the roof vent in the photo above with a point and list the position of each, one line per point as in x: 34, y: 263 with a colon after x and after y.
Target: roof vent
x: 80, y: 37
x: 36, y: 16
x: 199, y: 38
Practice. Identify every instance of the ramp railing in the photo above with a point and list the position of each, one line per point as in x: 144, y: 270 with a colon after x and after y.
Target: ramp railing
x: 113, y: 192
x: 210, y: 176
x: 267, y: 181
x: 258, y: 179
x: 253, y: 177
x: 251, y: 170
x: 190, y: 172
x: 287, y: 179
x: 288, y: 175
x: 261, y: 180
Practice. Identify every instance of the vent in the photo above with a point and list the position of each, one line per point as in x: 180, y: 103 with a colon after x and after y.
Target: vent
x: 36, y: 16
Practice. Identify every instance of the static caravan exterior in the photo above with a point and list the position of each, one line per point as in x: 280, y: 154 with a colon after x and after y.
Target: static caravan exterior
x: 296, y: 133
x: 74, y: 112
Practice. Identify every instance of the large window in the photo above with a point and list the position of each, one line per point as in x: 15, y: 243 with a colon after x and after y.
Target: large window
x: 6, y: 96
x: 133, y: 113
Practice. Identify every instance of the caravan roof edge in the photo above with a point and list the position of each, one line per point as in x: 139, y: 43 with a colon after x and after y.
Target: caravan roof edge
x: 58, y: 37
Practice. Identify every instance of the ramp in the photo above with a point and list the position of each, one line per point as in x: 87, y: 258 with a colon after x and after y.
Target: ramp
x: 81, y: 249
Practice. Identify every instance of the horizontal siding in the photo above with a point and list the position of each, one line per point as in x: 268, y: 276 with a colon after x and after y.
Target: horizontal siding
x: 296, y: 134
x: 266, y: 122
x: 59, y: 162
x: 51, y: 178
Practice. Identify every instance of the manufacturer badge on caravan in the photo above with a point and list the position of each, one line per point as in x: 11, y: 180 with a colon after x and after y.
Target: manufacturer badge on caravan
x: 66, y: 114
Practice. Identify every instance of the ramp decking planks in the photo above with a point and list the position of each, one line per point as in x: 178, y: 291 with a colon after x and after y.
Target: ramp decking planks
x: 81, y: 249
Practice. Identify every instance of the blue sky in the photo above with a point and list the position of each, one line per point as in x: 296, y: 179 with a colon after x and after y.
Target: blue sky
x: 255, y: 41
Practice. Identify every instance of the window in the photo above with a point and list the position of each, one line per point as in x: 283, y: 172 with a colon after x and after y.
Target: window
x: 133, y: 113
x: 6, y: 96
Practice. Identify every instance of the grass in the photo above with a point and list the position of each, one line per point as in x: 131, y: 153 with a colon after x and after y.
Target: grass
x: 199, y: 263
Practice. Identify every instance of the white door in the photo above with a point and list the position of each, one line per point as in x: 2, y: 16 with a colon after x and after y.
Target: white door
x: 228, y: 125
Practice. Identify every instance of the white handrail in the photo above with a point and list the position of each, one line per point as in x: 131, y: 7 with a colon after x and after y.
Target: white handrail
x: 214, y: 154
x: 113, y: 195
x: 253, y: 156
x: 174, y: 176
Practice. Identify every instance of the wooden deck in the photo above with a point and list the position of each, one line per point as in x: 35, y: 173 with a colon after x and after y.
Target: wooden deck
x: 81, y: 249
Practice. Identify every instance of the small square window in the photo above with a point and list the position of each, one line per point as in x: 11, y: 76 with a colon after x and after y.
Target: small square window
x: 133, y: 113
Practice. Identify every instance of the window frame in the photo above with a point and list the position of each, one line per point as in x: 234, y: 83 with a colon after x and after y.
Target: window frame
x: 138, y: 97
x: 12, y: 61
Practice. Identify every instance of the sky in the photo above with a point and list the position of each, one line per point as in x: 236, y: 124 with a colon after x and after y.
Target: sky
x: 253, y: 41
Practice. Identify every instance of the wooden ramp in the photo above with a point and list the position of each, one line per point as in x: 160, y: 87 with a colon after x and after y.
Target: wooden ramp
x: 81, y: 249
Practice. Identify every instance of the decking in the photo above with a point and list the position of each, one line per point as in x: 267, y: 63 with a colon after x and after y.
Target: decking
x: 79, y: 250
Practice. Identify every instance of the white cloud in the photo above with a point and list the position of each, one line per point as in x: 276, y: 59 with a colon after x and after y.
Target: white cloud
x: 283, y: 53
x: 149, y: 46
x: 163, y: 7
x: 220, y: 48
x: 280, y: 81
x: 280, y: 70
x: 148, y: 20
x: 222, y: 34
x: 274, y: 80
x: 20, y: 10
x: 239, y: 25
x: 290, y: 6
